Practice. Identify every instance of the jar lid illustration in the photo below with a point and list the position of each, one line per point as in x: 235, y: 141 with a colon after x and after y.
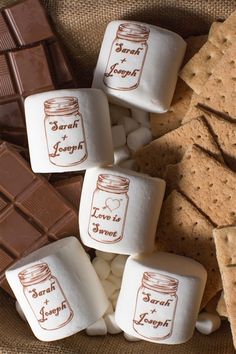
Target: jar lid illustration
x: 34, y: 274
x: 61, y: 106
x: 133, y: 32
x: 113, y: 183
x: 160, y: 283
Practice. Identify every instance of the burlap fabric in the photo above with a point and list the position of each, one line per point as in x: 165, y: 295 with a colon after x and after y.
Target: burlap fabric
x: 81, y: 24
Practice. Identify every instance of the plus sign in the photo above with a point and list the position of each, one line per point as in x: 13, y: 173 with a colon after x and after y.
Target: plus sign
x: 64, y: 137
x: 152, y: 311
x: 46, y: 302
x: 123, y: 60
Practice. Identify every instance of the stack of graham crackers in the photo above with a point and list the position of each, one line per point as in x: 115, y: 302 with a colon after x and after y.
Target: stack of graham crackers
x: 195, y: 152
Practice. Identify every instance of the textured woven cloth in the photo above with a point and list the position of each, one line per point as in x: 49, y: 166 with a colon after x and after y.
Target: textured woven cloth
x: 81, y: 24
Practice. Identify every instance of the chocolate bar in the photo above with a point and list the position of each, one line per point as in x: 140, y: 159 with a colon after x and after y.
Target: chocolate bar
x: 32, y: 212
x: 70, y: 189
x: 23, y: 23
x: 23, y: 72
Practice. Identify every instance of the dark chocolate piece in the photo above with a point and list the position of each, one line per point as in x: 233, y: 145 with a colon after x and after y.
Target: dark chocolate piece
x: 32, y: 212
x: 23, y: 23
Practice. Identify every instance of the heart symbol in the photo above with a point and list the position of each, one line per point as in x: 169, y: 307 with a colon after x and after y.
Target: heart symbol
x: 112, y: 204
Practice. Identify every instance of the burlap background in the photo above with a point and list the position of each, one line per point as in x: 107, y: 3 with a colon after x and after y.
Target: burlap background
x: 81, y: 25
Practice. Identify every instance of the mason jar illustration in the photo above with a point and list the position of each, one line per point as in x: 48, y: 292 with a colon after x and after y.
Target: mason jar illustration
x: 109, y: 208
x: 127, y: 57
x: 45, y: 297
x: 155, y: 306
x: 64, y: 131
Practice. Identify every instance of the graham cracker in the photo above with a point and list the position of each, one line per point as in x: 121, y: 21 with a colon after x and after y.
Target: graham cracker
x: 212, y: 304
x: 210, y: 185
x: 194, y: 44
x: 224, y: 35
x: 221, y: 306
x: 214, y: 27
x: 193, y: 110
x: 225, y: 241
x: 219, y: 92
x: 183, y: 230
x: 163, y: 123
x: 170, y: 148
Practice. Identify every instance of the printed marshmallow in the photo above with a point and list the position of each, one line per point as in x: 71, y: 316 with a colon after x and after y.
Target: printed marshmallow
x: 58, y: 290
x: 208, y: 323
x: 119, y: 210
x: 160, y: 297
x: 138, y: 65
x: 68, y: 130
x: 20, y: 312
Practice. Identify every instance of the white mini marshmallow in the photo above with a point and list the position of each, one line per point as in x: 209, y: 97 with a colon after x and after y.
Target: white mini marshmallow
x: 115, y: 280
x: 119, y: 210
x: 105, y: 255
x: 131, y: 338
x: 118, y: 265
x: 138, y: 65
x: 129, y: 164
x: 20, y: 312
x: 111, y: 324
x: 63, y: 133
x: 101, y: 267
x: 139, y: 138
x: 116, y: 112
x: 118, y: 136
x: 121, y: 154
x: 141, y: 116
x: 109, y: 309
x: 109, y: 288
x: 58, y: 290
x: 208, y: 323
x: 160, y: 297
x: 128, y: 123
x: 98, y: 328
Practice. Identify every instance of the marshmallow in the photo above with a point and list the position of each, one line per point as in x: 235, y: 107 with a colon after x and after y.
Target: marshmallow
x: 20, y: 312
x: 138, y: 65
x: 109, y: 287
x: 119, y: 210
x: 129, y: 164
x: 98, y: 328
x: 116, y: 112
x: 109, y: 309
x: 101, y: 267
x: 142, y: 117
x: 105, y: 255
x: 114, y: 302
x: 118, y: 265
x: 208, y: 323
x: 115, y: 280
x: 118, y: 136
x: 58, y: 290
x: 128, y: 123
x: 62, y: 132
x: 121, y: 154
x: 111, y: 324
x: 160, y: 297
x: 139, y: 138
x: 131, y: 338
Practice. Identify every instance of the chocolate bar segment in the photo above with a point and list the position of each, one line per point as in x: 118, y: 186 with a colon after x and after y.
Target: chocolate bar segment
x: 32, y: 212
x: 23, y: 23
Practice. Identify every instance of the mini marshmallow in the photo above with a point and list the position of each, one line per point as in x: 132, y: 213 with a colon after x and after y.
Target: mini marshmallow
x: 129, y: 164
x: 118, y: 265
x: 121, y: 154
x: 114, y: 302
x: 208, y: 323
x: 62, y: 132
x: 115, y: 280
x: 131, y: 338
x: 109, y: 288
x: 119, y: 210
x: 139, y: 138
x: 138, y: 65
x: 116, y: 112
x: 101, y: 267
x: 128, y: 123
x: 118, y: 136
x: 20, y: 312
x: 109, y: 309
x: 111, y: 324
x: 160, y: 297
x: 105, y: 255
x: 115, y: 295
x: 58, y: 290
x: 142, y: 117
x: 98, y: 328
